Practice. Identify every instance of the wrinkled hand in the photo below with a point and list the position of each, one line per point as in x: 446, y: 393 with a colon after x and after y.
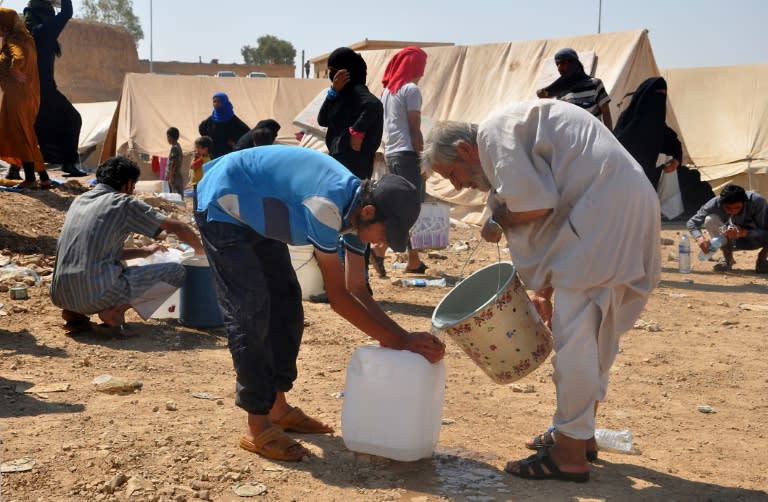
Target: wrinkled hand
x: 356, y: 143
x: 426, y: 344
x: 544, y: 308
x: 703, y: 243
x: 154, y: 248
x: 340, y: 80
x: 491, y: 231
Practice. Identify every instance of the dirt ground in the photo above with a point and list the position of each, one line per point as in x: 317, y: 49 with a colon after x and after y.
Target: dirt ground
x: 700, y: 342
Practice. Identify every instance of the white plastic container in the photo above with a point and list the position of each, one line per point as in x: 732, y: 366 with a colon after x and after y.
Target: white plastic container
x: 393, y: 402
x: 432, y: 228
x: 151, y: 186
x: 307, y: 270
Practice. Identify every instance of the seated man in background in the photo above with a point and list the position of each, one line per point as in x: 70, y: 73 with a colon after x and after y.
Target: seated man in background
x: 89, y: 276
x: 747, y: 227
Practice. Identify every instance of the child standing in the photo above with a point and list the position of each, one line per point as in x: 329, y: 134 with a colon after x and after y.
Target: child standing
x: 173, y: 174
x: 203, y: 146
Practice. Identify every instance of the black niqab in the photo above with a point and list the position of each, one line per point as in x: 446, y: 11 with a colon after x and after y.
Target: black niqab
x: 642, y: 127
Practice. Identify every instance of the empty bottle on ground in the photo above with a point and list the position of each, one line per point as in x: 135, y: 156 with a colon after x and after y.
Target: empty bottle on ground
x: 619, y: 441
x: 684, y: 254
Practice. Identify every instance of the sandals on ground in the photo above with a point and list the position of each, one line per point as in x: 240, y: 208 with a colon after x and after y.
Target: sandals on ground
x: 418, y: 270
x: 274, y: 443
x: 541, y: 466
x: 723, y: 265
x: 548, y: 439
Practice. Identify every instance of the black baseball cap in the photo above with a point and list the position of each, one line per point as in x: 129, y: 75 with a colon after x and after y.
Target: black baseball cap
x: 398, y: 205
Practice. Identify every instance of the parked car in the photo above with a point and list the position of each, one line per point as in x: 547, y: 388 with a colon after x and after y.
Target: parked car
x: 257, y: 74
x: 225, y: 73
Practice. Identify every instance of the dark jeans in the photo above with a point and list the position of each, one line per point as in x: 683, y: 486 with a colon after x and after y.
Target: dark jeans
x: 407, y: 165
x: 260, y: 300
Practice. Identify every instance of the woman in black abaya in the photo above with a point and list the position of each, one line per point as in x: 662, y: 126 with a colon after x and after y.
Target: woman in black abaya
x: 643, y: 131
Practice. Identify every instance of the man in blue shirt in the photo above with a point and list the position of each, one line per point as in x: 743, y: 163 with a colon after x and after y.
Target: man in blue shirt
x: 250, y: 205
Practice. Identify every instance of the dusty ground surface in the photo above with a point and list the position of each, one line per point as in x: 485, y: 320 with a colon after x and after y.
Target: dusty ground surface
x: 695, y: 345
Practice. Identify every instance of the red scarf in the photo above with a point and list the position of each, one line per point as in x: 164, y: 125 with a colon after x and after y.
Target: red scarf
x: 405, y: 66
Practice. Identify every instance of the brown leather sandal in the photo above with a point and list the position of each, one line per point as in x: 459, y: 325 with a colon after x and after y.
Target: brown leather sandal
x: 298, y: 421
x: 273, y: 443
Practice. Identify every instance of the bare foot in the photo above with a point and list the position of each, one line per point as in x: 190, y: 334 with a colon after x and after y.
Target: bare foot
x: 114, y: 316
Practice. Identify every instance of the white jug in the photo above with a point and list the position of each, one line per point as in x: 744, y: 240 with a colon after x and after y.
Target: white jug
x: 393, y: 403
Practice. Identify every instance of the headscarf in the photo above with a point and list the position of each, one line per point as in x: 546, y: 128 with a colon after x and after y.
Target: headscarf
x: 641, y: 128
x: 572, y: 76
x: 11, y: 23
x: 35, y: 13
x: 225, y: 111
x: 345, y: 58
x: 405, y: 66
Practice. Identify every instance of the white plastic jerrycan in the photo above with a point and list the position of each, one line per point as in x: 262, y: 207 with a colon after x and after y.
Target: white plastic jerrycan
x: 393, y: 402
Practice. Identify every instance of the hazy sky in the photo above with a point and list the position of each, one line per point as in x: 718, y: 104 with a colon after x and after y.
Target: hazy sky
x: 683, y: 33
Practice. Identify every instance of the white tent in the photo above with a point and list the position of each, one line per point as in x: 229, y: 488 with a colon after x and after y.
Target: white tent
x: 97, y: 118
x: 469, y: 82
x: 723, y: 116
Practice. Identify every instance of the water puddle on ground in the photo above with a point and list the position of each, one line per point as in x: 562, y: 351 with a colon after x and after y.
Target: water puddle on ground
x: 460, y: 475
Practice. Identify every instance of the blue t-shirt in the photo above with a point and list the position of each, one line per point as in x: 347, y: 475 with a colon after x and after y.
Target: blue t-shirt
x: 295, y: 195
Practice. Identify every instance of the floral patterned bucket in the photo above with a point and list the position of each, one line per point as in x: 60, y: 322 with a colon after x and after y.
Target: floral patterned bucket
x: 491, y: 317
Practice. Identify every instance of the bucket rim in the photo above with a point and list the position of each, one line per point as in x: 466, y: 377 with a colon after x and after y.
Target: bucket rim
x: 502, y: 287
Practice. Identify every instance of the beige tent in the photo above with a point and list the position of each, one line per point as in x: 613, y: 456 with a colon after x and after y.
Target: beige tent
x: 150, y: 104
x: 469, y: 82
x: 723, y: 116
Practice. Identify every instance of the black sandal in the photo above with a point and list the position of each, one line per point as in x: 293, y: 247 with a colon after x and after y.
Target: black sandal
x: 548, y: 439
x: 541, y: 466
x: 418, y: 270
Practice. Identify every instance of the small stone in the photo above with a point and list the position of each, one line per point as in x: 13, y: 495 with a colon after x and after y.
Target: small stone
x: 525, y: 389
x: 447, y: 421
x: 171, y: 406
x: 706, y: 409
x: 117, y: 481
x: 252, y: 489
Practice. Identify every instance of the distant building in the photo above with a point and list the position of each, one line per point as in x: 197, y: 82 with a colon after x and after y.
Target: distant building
x: 320, y: 63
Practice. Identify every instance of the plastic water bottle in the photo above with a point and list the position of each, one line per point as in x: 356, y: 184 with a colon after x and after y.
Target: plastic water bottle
x: 619, y: 441
x: 715, y: 244
x: 422, y: 283
x: 684, y: 255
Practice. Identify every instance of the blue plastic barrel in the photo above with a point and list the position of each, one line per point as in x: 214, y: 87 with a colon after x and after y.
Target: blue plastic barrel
x: 199, y: 306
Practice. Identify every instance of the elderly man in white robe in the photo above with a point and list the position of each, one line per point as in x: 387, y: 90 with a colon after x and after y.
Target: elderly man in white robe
x: 582, y: 222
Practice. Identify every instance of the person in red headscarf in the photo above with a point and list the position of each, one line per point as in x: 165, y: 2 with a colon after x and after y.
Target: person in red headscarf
x: 402, y: 130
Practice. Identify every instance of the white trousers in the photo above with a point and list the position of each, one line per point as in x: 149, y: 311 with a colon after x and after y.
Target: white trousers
x: 585, y: 348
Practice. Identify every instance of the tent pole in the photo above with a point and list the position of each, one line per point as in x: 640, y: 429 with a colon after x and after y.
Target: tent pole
x: 599, y: 14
